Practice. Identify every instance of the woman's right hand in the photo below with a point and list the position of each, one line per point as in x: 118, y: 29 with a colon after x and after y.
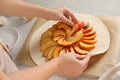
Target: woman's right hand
x: 60, y: 14
x: 72, y: 64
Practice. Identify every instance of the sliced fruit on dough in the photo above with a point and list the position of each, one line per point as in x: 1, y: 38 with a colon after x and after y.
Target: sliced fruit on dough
x: 79, y: 50
x: 59, y: 33
x: 76, y: 37
x: 49, y: 43
x: 74, y: 30
x: 46, y: 51
x: 72, y: 49
x: 91, y: 33
x: 86, y: 46
x: 57, y: 51
x: 62, y: 52
x: 89, y: 29
x: 50, y: 53
x: 89, y: 41
x: 89, y: 37
x: 65, y: 27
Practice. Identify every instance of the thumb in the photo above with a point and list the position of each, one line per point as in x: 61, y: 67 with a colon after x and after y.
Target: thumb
x: 78, y: 56
x: 86, y: 59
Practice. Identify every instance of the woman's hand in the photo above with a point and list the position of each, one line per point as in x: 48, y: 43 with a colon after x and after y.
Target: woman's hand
x: 61, y: 14
x: 72, y: 64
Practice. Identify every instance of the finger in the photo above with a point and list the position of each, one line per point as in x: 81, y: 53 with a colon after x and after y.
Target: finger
x: 81, y: 57
x: 67, y: 16
x: 85, y: 66
x: 85, y: 60
x: 78, y: 56
x: 67, y: 21
x: 69, y: 13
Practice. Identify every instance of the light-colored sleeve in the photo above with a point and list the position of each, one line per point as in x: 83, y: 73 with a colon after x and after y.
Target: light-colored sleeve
x: 6, y: 64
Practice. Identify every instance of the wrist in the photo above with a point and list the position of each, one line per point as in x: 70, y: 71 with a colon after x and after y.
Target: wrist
x: 46, y: 13
x: 56, y: 65
x: 51, y: 67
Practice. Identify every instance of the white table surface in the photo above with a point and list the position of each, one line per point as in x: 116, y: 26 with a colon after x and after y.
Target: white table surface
x: 93, y: 7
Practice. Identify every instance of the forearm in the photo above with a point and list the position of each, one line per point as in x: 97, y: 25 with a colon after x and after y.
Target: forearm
x: 21, y: 8
x: 3, y: 76
x: 41, y: 72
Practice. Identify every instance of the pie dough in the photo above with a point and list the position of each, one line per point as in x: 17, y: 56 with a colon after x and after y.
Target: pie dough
x: 102, y: 32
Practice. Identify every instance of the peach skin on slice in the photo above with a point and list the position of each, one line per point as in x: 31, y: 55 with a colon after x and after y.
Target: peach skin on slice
x: 81, y: 25
x: 86, y: 46
x: 57, y: 51
x: 89, y: 41
x: 90, y: 33
x: 89, y: 37
x: 89, y: 29
x: 79, y: 50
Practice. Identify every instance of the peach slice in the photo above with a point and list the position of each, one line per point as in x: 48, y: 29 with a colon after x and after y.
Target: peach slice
x: 65, y: 27
x: 72, y: 50
x: 50, y: 53
x: 59, y: 23
x: 76, y: 37
x: 90, y: 33
x: 81, y: 25
x: 42, y: 41
x: 86, y: 46
x: 79, y: 50
x: 57, y: 51
x: 46, y: 51
x: 49, y: 43
x: 63, y: 42
x: 89, y: 41
x: 74, y: 30
x: 56, y: 38
x: 62, y: 52
x: 67, y: 50
x: 71, y: 39
x: 89, y: 37
x: 59, y: 33
x: 89, y: 29
x: 47, y: 34
x: 53, y: 28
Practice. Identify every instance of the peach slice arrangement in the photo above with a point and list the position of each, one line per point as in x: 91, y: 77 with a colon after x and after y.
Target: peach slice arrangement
x: 62, y: 38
